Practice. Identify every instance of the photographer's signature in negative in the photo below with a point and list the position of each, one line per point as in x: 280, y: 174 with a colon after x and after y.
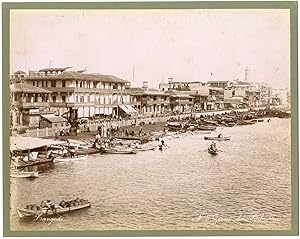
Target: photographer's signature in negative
x: 257, y: 218
x: 40, y: 217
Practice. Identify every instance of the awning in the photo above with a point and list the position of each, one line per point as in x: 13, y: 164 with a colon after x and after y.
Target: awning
x: 25, y: 143
x: 128, y: 109
x: 53, y: 118
x: 124, y: 109
x: 132, y: 110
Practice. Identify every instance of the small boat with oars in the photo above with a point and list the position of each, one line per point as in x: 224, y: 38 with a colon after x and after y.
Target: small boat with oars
x: 48, y: 209
x: 212, y: 151
x: 70, y: 158
x: 219, y: 138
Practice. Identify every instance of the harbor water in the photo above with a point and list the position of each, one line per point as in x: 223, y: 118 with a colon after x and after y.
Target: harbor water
x: 246, y: 186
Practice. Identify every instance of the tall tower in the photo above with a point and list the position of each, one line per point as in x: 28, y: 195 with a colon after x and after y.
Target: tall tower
x: 246, y: 73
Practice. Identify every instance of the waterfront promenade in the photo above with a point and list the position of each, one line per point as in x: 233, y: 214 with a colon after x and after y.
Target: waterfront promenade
x: 92, y: 126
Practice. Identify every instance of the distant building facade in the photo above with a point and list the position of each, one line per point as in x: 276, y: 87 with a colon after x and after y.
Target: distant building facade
x: 27, y: 104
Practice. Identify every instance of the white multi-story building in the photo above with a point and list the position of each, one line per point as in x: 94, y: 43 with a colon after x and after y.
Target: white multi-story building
x: 77, y: 94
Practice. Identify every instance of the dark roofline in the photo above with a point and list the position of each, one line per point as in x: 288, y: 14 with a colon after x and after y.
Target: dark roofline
x: 188, y: 82
x: 20, y: 72
x: 26, y: 88
x: 73, y: 75
x: 55, y: 69
x: 215, y: 81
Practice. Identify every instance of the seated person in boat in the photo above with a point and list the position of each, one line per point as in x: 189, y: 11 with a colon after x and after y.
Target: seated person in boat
x: 72, y: 152
x: 213, y: 146
x: 220, y: 135
x: 65, y: 152
x: 137, y: 144
x: 49, y: 205
x: 49, y: 155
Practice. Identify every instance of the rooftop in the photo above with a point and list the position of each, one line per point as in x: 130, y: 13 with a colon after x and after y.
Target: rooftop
x: 26, y: 88
x: 217, y: 81
x: 143, y: 91
x: 19, y: 72
x: 75, y: 75
x: 189, y: 82
x: 55, y: 69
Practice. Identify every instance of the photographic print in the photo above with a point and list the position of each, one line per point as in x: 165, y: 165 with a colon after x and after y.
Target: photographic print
x: 155, y: 118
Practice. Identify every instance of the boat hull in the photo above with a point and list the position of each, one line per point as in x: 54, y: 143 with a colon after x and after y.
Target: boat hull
x: 71, y: 159
x: 117, y: 151
x: 206, y: 127
x: 27, y: 213
x: 217, y: 138
x: 145, y: 148
x: 24, y: 175
x: 212, y: 152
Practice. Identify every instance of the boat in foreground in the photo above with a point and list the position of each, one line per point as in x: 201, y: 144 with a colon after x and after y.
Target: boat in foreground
x: 46, y: 212
x: 19, y: 174
x: 217, y: 138
x: 70, y: 159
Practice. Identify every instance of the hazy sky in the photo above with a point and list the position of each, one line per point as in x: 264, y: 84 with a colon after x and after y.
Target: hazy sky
x: 187, y: 45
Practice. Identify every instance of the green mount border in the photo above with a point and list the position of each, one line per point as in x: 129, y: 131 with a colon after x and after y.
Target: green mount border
x: 291, y: 5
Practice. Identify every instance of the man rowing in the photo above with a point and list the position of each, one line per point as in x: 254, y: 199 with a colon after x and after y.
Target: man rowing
x: 49, y: 205
x: 213, y: 146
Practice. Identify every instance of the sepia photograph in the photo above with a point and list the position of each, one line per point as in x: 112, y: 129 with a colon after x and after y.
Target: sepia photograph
x: 151, y: 119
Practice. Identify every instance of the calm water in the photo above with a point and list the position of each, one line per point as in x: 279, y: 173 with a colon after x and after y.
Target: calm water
x: 247, y: 186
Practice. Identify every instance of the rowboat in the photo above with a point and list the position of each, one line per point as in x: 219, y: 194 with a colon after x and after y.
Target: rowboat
x: 141, y: 138
x: 45, y: 212
x: 117, y: 150
x: 144, y: 148
x: 206, y: 127
x: 210, y: 122
x: 70, y: 159
x: 19, y: 174
x: 217, y: 138
x: 213, y: 152
x: 174, y: 125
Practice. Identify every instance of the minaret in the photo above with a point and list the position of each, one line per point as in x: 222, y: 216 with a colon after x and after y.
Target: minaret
x: 246, y: 73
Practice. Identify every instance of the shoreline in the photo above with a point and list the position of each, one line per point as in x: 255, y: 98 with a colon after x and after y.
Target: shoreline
x: 158, y: 124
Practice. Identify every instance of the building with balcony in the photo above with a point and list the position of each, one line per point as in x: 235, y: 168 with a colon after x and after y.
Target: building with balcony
x: 150, y: 101
x: 216, y: 99
x: 27, y: 104
x: 76, y: 94
x: 200, y: 87
x: 181, y: 101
